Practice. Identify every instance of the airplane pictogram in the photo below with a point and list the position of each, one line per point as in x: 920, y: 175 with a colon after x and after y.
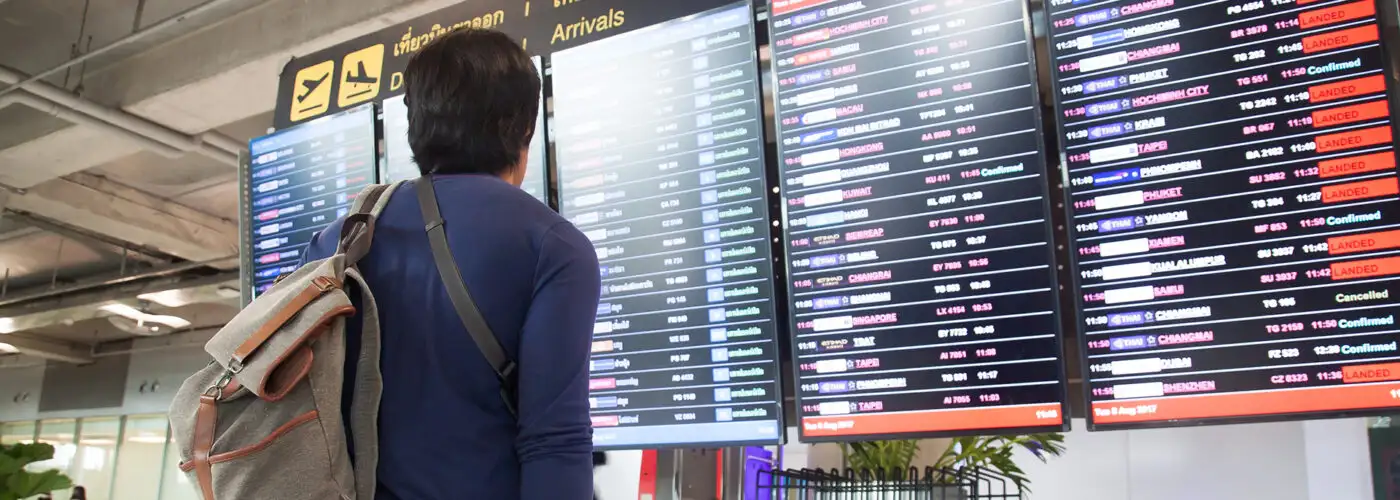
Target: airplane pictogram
x: 311, y: 86
x: 312, y: 94
x: 360, y: 74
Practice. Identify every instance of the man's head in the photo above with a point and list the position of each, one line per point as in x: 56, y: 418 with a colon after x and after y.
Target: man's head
x: 473, y: 97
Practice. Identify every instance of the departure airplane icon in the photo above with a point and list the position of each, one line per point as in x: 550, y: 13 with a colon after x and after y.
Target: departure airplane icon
x: 311, y: 86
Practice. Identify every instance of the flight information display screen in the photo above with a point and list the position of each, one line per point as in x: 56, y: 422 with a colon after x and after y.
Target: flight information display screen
x: 398, y: 162
x: 398, y: 156
x: 302, y: 179
x: 924, y: 298
x: 1236, y: 233
x: 660, y: 150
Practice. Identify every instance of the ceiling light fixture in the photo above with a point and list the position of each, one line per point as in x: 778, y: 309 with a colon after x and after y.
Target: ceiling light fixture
x: 142, y: 318
x: 7, y: 325
x: 7, y: 348
x: 168, y: 298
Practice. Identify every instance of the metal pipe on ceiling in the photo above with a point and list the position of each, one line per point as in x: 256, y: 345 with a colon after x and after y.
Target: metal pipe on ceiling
x: 135, y: 36
x: 135, y: 124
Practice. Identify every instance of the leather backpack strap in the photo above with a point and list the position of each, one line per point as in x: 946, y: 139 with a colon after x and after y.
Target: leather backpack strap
x: 467, y: 311
x: 357, y: 232
x: 206, y: 424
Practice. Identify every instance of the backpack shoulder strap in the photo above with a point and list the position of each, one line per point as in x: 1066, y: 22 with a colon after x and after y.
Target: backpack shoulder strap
x: 467, y: 311
x: 357, y: 232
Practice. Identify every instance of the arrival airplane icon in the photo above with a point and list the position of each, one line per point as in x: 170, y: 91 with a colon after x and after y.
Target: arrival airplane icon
x: 360, y: 75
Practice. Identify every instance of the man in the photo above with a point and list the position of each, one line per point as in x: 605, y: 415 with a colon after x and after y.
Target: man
x: 444, y: 431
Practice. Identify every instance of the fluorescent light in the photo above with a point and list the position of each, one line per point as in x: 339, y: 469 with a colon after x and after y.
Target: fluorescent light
x: 8, y: 349
x: 168, y: 298
x: 141, y: 317
x: 7, y: 325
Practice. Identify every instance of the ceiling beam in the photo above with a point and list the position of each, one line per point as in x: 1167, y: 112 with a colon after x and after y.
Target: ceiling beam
x: 178, y: 340
x: 110, y: 289
x: 33, y: 223
x: 35, y: 316
x: 48, y: 349
x: 98, y: 206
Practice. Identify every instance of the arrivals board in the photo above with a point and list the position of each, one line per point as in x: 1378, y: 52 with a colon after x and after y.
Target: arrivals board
x: 924, y: 299
x: 659, y: 140
x: 1236, y: 233
x: 398, y: 156
x: 302, y: 179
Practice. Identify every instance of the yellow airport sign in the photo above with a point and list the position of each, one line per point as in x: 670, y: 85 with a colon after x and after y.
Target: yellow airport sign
x: 360, y: 75
x: 312, y: 93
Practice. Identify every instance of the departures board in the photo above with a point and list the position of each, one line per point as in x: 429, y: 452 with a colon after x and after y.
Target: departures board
x: 300, y: 180
x: 398, y: 162
x: 924, y: 298
x: 1236, y: 233
x: 659, y: 137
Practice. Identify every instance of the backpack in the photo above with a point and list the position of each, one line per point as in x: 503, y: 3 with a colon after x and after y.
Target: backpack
x: 264, y: 420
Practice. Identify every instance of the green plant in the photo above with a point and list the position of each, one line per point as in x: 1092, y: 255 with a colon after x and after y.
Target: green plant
x: 16, y: 482
x: 995, y: 453
x: 986, y: 452
x: 880, y: 455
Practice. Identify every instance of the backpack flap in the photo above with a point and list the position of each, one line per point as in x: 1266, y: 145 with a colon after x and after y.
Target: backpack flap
x: 266, y: 347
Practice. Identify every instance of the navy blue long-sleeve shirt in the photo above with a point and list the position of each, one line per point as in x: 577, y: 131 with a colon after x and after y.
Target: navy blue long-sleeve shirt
x: 443, y: 430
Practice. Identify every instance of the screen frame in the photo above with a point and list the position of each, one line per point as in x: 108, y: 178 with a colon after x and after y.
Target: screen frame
x: 1388, y: 21
x: 247, y: 279
x: 558, y: 192
x: 1062, y: 387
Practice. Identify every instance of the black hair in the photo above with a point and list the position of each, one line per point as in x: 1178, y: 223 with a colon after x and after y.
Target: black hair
x: 473, y: 97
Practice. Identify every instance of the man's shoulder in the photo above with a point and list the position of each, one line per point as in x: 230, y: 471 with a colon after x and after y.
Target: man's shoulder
x: 504, y: 214
x: 496, y: 199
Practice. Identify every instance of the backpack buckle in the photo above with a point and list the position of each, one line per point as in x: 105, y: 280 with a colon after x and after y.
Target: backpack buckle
x: 235, y: 366
x: 325, y: 283
x: 216, y: 391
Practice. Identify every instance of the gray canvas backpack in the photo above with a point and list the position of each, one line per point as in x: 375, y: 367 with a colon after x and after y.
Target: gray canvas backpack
x: 264, y: 420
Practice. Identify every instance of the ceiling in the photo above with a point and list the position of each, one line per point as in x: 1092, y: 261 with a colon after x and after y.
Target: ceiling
x: 58, y: 267
x: 122, y: 123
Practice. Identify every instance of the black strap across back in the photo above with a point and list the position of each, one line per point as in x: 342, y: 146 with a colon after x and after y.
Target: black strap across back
x: 467, y: 311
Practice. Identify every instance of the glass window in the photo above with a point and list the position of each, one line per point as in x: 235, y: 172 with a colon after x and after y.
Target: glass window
x: 17, y: 432
x: 97, y: 456
x: 62, y: 434
x: 141, y: 455
x: 175, y: 484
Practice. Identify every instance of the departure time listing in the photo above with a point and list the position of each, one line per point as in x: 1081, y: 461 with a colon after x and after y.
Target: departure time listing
x: 923, y: 295
x: 1232, y: 175
x: 302, y: 179
x: 659, y: 137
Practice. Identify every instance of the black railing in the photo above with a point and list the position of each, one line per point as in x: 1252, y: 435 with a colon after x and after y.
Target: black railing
x: 910, y: 484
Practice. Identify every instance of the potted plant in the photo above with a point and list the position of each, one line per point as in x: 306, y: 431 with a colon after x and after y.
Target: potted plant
x: 993, y: 453
x: 18, y: 483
